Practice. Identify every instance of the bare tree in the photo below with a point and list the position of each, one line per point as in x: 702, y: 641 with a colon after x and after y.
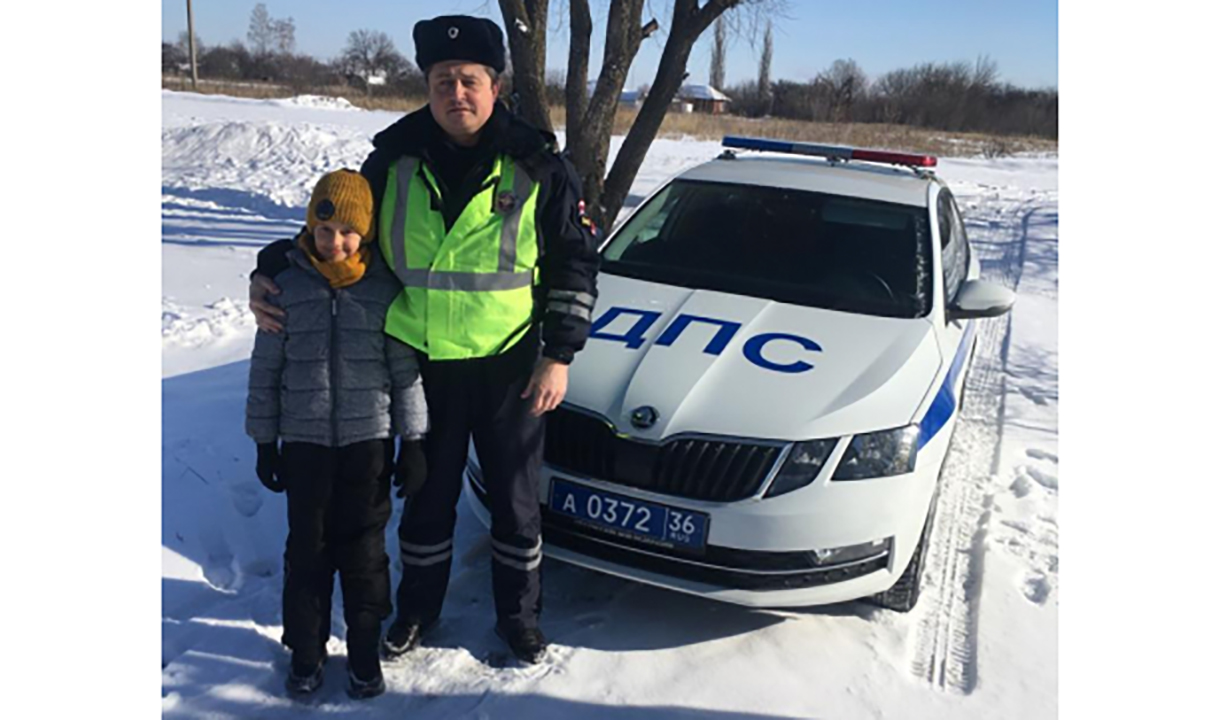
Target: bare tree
x: 720, y: 38
x: 261, y: 33
x: 764, y: 71
x: 285, y: 33
x: 172, y: 59
x: 589, y: 131
x: 840, y: 87
x: 369, y: 53
x: 184, y: 43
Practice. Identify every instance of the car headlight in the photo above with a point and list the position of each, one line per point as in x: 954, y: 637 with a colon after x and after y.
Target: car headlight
x: 803, y: 464
x: 879, y: 454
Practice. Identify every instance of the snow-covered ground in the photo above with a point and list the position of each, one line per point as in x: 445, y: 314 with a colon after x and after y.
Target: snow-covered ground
x: 982, y: 642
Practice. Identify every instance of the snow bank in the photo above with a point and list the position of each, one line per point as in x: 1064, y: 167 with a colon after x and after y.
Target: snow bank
x: 320, y: 102
x: 279, y: 161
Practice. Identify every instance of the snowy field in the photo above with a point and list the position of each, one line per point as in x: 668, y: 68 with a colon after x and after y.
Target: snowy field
x: 982, y: 642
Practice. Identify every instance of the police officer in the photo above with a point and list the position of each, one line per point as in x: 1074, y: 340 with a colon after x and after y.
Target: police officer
x: 484, y: 225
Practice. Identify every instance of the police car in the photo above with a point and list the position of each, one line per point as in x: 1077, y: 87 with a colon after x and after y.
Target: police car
x: 776, y: 363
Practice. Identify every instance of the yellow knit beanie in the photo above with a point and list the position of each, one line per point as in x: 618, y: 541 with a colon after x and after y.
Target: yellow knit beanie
x: 342, y: 196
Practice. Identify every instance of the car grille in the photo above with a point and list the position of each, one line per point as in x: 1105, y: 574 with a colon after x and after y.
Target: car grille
x: 697, y: 469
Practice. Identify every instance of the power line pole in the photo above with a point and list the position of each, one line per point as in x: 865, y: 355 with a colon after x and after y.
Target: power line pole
x: 190, y: 39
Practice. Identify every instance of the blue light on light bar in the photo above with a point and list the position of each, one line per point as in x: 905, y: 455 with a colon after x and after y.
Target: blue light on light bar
x: 786, y: 146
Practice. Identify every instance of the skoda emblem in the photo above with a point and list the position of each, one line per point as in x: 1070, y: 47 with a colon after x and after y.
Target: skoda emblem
x: 644, y: 417
x: 453, y: 33
x: 505, y: 202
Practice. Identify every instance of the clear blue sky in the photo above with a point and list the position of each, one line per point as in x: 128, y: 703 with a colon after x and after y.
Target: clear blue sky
x: 1022, y: 37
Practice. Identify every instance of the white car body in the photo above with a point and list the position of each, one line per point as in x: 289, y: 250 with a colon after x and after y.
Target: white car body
x: 868, y: 373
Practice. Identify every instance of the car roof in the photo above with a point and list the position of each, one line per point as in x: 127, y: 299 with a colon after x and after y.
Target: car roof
x: 852, y: 179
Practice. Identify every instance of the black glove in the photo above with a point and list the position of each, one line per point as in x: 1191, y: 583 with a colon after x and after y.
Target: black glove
x: 410, y: 469
x: 268, y: 467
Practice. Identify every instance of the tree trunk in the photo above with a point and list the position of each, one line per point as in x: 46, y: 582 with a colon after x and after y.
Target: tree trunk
x: 525, y: 25
x: 576, y: 90
x: 589, y: 152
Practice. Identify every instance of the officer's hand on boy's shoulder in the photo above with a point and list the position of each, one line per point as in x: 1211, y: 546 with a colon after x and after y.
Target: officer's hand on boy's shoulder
x: 548, y: 385
x: 410, y: 469
x: 266, y: 315
x: 268, y: 467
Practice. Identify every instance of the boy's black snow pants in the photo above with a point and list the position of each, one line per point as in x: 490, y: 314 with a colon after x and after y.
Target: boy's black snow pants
x: 480, y: 397
x: 338, y: 507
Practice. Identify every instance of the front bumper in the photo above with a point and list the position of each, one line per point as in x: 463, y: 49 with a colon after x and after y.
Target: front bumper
x: 760, y: 553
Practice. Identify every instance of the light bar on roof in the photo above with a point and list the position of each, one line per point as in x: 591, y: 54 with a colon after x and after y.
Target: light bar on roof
x: 834, y: 152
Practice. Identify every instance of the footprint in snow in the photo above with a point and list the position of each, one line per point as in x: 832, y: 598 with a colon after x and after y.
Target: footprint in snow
x: 1037, y: 588
x: 1037, y: 454
x: 1050, y: 481
x: 247, y: 498
x: 1021, y: 486
x: 1017, y: 525
x: 1033, y: 396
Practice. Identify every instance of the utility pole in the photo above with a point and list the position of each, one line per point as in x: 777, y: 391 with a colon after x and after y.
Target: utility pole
x: 190, y: 39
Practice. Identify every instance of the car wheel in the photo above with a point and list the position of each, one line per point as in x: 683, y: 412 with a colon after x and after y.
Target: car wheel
x: 905, y: 593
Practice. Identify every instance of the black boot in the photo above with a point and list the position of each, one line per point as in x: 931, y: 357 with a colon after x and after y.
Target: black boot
x: 305, y: 676
x: 527, y: 643
x: 363, y: 665
x: 404, y: 635
x: 362, y: 688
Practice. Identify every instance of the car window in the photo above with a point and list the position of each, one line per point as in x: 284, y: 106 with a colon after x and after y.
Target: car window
x: 954, y: 249
x: 793, y: 246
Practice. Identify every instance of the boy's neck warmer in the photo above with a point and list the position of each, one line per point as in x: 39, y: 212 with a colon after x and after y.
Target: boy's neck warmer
x: 338, y: 274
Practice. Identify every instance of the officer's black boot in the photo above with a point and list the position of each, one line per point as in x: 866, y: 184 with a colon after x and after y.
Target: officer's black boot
x: 527, y: 642
x: 404, y: 635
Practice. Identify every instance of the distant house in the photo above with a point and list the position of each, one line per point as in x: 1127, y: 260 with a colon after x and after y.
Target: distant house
x: 703, y: 98
x: 631, y: 99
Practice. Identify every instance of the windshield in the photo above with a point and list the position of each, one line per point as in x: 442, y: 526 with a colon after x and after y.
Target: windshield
x: 792, y: 246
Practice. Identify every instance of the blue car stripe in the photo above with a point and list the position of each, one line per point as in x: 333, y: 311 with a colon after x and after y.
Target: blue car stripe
x: 945, y: 403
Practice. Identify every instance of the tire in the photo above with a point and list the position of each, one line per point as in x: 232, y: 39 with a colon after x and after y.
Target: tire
x: 905, y: 593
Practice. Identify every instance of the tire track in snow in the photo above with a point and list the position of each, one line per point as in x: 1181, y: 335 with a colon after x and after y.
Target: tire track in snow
x: 945, y: 650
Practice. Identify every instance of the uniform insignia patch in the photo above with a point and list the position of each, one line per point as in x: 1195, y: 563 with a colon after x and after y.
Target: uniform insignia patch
x: 325, y: 210
x: 584, y: 219
x: 505, y: 202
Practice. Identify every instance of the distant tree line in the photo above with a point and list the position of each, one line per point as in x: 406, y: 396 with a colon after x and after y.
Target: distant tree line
x: 957, y: 97
x: 368, y: 62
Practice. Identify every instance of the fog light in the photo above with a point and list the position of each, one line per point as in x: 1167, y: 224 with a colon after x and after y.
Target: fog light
x: 850, y: 553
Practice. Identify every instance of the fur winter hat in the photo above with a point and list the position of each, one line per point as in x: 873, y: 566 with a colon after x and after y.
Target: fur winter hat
x: 458, y: 37
x: 342, y: 196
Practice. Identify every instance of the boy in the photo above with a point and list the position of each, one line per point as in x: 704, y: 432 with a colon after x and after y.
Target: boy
x: 336, y: 390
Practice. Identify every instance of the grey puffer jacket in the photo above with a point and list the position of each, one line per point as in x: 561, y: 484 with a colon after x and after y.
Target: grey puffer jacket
x: 332, y: 376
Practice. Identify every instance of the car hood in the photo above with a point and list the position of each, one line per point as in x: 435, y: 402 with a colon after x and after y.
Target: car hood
x: 788, y: 372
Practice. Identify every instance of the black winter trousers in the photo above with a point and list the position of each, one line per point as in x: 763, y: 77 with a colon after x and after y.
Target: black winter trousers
x: 338, y: 507
x: 480, y: 397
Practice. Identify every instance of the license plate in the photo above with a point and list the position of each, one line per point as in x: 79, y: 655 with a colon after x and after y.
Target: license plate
x: 629, y: 517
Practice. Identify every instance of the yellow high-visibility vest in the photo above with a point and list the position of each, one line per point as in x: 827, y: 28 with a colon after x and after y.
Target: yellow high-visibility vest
x: 467, y: 292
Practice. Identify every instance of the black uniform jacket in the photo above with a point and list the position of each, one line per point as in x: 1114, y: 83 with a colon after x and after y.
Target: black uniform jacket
x: 567, y: 240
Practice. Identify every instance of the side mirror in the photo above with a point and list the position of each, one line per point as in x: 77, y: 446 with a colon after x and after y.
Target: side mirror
x: 978, y: 299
